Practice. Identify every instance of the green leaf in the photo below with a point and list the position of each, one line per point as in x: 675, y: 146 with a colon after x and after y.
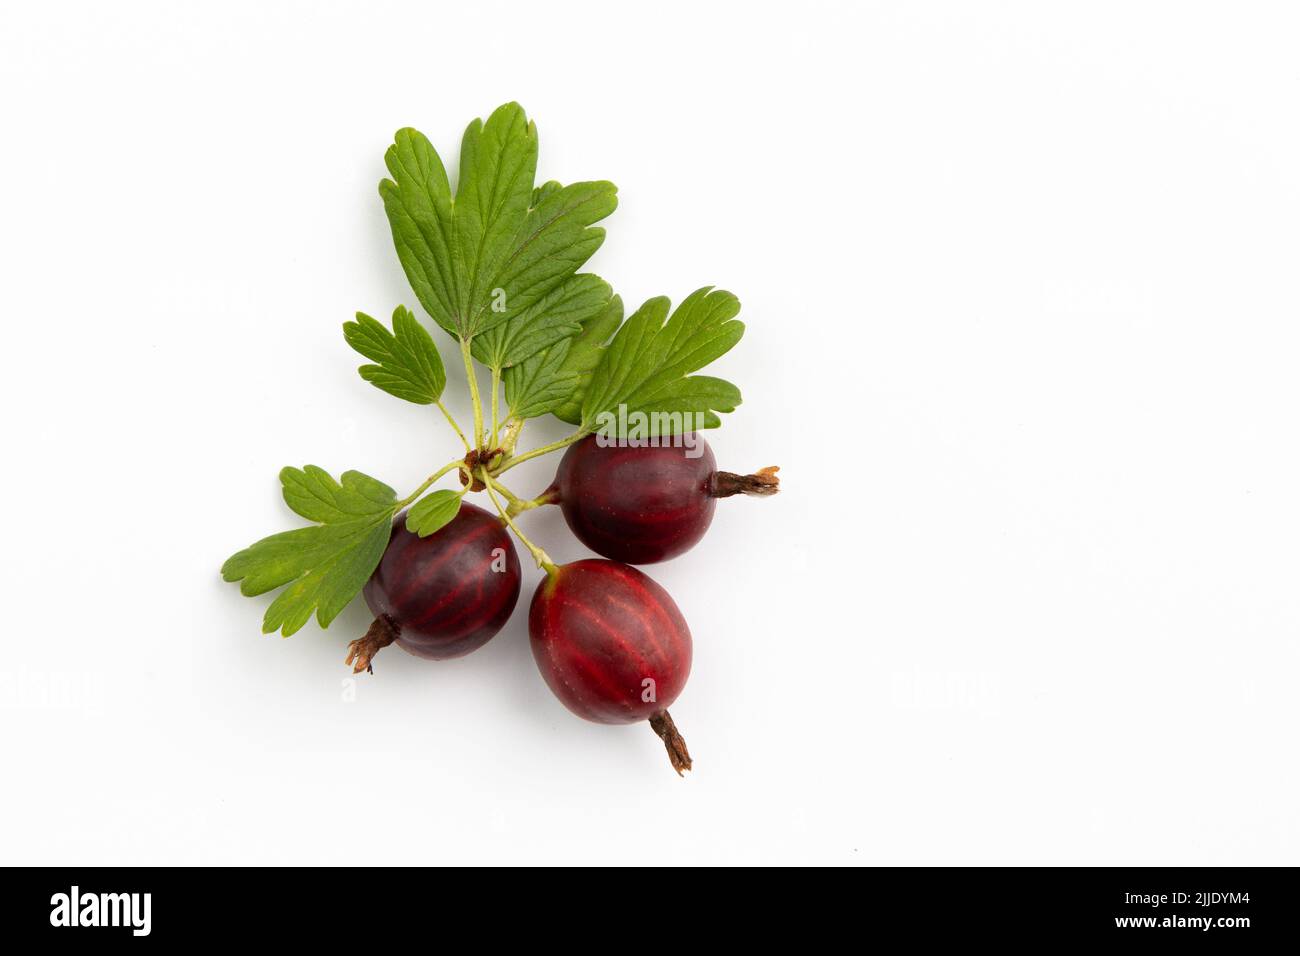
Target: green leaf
x: 408, y: 362
x: 433, y: 512
x: 498, y: 162
x: 557, y: 316
x: 557, y: 238
x: 494, y: 254
x: 553, y: 380
x: 418, y: 202
x: 327, y: 564
x: 646, y: 370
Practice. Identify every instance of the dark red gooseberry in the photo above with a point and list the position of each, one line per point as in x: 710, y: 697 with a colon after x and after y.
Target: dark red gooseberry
x: 613, y: 646
x: 641, y: 504
x: 441, y: 596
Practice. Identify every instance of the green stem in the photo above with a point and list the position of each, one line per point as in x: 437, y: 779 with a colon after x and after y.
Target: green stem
x: 547, y: 497
x: 473, y: 392
x: 519, y: 505
x: 513, y: 427
x: 541, y: 557
x: 429, y: 481
x: 456, y: 428
x: 496, y: 386
x: 510, y: 495
x: 538, y: 452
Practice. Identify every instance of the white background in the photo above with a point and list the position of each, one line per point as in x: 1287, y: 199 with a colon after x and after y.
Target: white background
x: 1021, y: 289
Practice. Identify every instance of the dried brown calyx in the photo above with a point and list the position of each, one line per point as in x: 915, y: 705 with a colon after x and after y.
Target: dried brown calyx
x: 477, y: 459
x: 663, y: 725
x: 764, y: 482
x: 363, y: 650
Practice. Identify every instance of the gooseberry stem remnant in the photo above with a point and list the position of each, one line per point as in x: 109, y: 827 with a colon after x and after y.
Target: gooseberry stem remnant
x: 662, y: 724
x: 764, y: 482
x: 362, y: 651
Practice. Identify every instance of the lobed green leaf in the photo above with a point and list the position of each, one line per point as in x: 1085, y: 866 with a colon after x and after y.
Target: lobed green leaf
x: 498, y: 163
x: 324, y: 565
x: 553, y: 380
x: 646, y: 368
x: 556, y: 316
x: 408, y: 364
x: 418, y: 203
x: 496, y: 254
